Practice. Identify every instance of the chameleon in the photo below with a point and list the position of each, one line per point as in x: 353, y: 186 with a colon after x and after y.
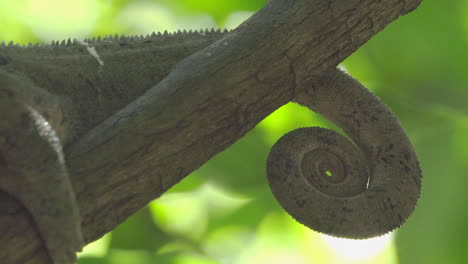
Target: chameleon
x: 61, y: 90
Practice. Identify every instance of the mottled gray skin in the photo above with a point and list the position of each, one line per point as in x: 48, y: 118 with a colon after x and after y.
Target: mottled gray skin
x: 73, y: 90
x: 82, y: 89
x: 33, y: 170
x: 374, y: 185
x: 89, y: 91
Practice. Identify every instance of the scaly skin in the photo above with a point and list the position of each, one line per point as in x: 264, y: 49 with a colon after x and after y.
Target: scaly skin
x: 83, y: 83
x: 89, y: 91
x: 32, y: 169
x: 341, y: 204
x: 73, y: 90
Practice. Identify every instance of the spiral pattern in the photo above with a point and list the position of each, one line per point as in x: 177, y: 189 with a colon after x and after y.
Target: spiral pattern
x: 339, y: 188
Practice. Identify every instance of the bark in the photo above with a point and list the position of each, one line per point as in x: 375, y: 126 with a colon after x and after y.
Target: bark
x: 209, y: 101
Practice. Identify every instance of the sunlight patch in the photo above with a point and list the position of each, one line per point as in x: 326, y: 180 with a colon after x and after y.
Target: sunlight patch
x: 236, y: 18
x: 146, y: 17
x: 358, y: 249
x: 57, y: 19
x: 98, y: 248
x: 286, y: 119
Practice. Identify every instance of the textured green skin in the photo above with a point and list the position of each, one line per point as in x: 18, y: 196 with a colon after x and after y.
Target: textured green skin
x: 88, y: 90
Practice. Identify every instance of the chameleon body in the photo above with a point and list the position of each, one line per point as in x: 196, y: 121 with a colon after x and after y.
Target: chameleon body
x: 83, y: 83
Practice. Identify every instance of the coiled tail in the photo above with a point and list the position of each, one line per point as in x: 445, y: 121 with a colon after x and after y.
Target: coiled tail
x: 358, y: 189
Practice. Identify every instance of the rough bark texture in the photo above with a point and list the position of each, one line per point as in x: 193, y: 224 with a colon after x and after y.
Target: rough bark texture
x: 206, y: 103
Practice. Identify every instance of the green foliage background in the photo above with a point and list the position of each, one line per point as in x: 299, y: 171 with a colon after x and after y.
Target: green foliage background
x: 224, y: 212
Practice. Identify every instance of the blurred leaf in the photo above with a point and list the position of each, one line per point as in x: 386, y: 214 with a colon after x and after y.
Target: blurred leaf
x: 180, y: 214
x: 250, y: 214
x: 193, y: 259
x: 146, y: 17
x: 439, y: 222
x: 138, y: 232
x: 12, y: 27
x: 278, y: 241
x: 219, y: 10
x: 92, y: 260
x: 132, y: 256
x: 225, y: 243
x: 240, y: 168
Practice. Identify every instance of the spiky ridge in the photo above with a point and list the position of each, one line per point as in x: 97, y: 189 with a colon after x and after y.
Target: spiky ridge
x: 116, y: 39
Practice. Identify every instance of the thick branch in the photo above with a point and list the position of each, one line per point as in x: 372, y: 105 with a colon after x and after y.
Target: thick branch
x: 208, y: 102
